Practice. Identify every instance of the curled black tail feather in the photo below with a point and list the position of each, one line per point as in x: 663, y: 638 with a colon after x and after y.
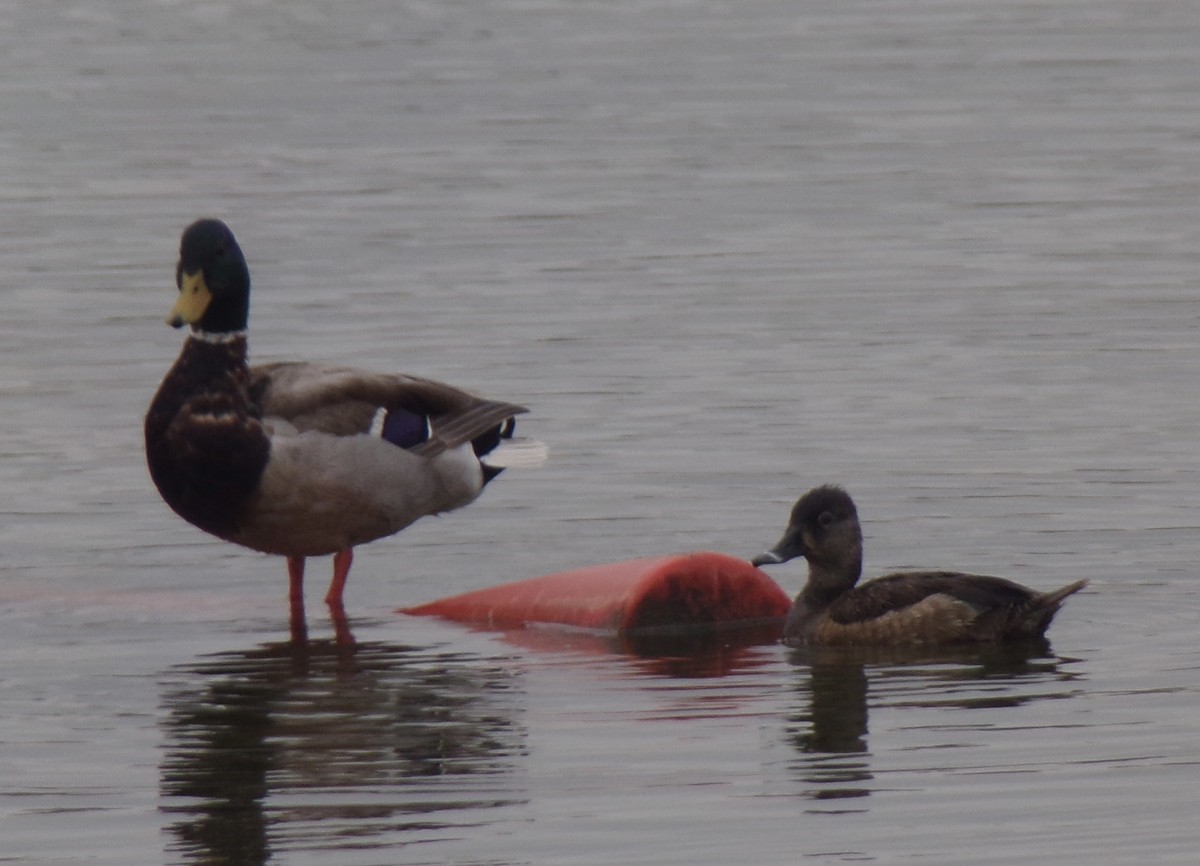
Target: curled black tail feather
x: 488, y: 442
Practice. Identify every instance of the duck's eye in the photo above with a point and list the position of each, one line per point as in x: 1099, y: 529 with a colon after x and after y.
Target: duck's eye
x: 825, y: 519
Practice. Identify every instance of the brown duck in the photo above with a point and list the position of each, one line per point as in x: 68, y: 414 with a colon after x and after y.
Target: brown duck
x: 909, y: 608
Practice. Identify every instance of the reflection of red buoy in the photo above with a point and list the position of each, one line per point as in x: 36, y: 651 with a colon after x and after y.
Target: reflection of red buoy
x: 665, y: 592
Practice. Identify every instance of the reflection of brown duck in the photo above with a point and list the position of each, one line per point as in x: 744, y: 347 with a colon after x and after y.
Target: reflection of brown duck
x: 837, y: 686
x: 923, y: 607
x: 837, y: 717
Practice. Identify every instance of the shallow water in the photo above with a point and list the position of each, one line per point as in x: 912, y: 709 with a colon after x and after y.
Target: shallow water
x: 943, y: 253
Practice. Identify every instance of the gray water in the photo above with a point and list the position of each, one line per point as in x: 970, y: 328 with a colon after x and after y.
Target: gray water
x: 942, y: 252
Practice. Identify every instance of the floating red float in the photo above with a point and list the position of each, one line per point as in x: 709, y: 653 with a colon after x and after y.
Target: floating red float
x: 665, y: 593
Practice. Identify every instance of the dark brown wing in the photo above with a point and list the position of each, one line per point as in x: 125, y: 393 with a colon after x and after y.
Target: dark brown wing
x: 896, y: 592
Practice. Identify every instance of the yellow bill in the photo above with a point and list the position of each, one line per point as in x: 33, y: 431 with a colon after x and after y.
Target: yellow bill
x: 194, y: 298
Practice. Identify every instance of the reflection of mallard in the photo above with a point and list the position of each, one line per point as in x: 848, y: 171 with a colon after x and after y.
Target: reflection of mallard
x: 924, y: 607
x: 412, y: 733
x: 299, y: 459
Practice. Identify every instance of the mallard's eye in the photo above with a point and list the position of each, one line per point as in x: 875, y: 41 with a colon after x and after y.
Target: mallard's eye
x: 825, y: 519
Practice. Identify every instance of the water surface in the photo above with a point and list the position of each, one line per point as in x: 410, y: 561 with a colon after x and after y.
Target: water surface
x: 943, y: 253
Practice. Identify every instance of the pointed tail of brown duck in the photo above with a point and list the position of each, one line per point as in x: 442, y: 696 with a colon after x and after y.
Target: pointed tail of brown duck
x: 1048, y: 603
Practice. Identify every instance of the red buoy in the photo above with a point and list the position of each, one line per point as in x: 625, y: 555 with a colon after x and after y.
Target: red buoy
x: 659, y: 593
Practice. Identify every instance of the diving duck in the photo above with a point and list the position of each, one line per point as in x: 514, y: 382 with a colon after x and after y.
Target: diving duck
x: 300, y: 459
x: 909, y: 608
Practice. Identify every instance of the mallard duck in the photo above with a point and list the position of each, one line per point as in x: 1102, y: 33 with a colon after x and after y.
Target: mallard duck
x: 920, y: 607
x: 299, y: 459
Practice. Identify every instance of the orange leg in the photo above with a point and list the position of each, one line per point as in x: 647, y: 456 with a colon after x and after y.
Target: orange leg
x: 342, y: 560
x: 341, y: 627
